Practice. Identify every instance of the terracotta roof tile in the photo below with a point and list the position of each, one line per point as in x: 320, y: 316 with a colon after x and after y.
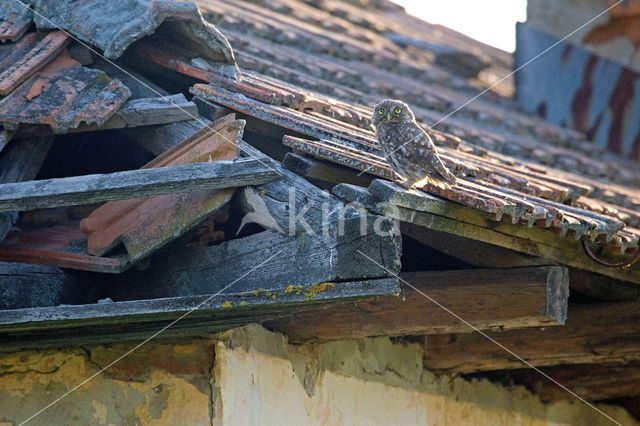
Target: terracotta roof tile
x: 64, y: 99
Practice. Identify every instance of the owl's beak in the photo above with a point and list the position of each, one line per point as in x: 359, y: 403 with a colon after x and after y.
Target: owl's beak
x: 389, y: 116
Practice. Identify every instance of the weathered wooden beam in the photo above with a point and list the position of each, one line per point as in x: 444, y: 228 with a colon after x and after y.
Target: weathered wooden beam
x: 466, y: 222
x: 20, y: 161
x: 590, y: 382
x: 302, y: 259
x: 135, y: 320
x: 594, y: 333
x: 487, y: 298
x: 90, y: 189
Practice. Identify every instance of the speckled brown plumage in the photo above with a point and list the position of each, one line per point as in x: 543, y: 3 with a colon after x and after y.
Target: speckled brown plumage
x: 407, y: 147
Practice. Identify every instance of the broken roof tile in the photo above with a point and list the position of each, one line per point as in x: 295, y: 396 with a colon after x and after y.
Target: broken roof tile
x: 63, y: 99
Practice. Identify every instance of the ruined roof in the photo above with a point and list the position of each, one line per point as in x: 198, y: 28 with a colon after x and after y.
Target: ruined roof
x: 96, y: 139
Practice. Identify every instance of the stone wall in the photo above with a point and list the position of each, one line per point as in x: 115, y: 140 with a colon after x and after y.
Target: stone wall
x: 252, y: 376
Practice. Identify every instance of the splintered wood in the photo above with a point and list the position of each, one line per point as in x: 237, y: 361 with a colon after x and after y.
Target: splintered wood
x: 143, y: 225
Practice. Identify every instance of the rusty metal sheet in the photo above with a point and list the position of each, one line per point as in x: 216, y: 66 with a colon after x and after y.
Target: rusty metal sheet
x: 600, y: 102
x: 143, y: 225
x: 114, y: 25
x: 15, y: 20
x: 64, y: 98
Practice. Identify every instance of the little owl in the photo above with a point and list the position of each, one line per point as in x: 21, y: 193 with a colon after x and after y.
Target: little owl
x: 408, y: 149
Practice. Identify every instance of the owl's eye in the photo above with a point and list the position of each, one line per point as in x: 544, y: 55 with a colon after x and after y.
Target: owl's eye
x: 397, y: 110
x: 380, y: 111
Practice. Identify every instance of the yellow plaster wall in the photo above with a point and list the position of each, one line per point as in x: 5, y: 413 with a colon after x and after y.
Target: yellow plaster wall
x: 249, y: 376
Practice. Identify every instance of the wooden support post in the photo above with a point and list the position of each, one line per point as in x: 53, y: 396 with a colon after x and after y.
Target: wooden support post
x: 594, y: 333
x: 487, y: 298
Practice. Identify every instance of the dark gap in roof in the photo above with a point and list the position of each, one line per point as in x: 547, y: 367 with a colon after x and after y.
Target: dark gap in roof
x: 267, y: 137
x: 631, y: 404
x: 232, y: 225
x: 86, y: 153
x: 171, y: 81
x: 80, y: 288
x: 530, y: 379
x: 419, y: 257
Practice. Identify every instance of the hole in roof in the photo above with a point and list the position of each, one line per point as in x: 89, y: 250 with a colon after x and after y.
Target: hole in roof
x: 86, y: 153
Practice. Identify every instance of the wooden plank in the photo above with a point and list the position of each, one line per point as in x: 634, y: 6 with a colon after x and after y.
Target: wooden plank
x: 487, y: 298
x: 91, y: 189
x: 302, y: 259
x: 532, y: 241
x: 20, y: 161
x: 135, y: 320
x: 594, y: 333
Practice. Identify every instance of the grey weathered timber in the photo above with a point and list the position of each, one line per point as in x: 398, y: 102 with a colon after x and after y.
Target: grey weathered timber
x: 136, y: 320
x: 594, y: 333
x: 25, y: 286
x: 132, y: 184
x: 486, y: 298
x: 301, y: 259
x: 115, y: 25
x: 20, y: 161
x: 531, y: 241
